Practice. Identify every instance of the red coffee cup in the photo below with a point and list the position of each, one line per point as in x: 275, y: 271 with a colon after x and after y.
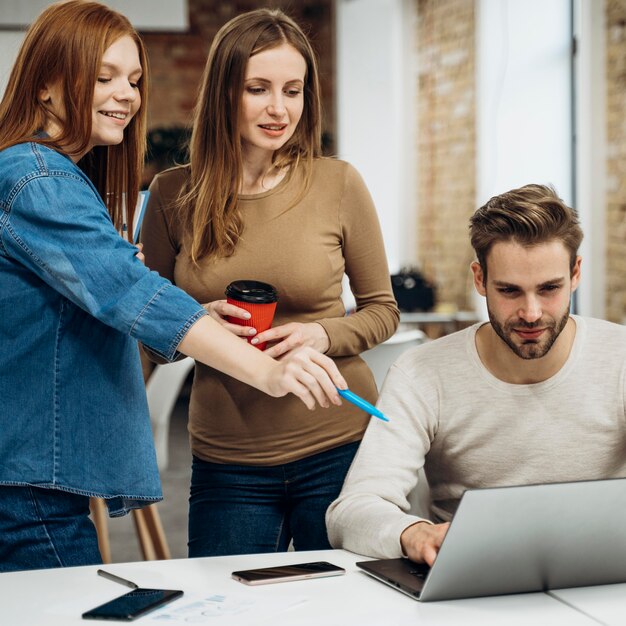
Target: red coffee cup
x: 259, y: 299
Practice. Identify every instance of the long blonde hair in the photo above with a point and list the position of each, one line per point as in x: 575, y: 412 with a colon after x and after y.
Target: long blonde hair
x: 209, y: 205
x: 65, y: 46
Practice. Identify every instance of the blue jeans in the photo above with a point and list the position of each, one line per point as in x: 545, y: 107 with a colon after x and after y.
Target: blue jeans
x: 45, y: 528
x: 244, y: 509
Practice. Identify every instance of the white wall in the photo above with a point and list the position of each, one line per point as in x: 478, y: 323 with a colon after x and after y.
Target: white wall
x: 9, y: 45
x: 524, y: 111
x: 591, y: 152
x: 375, y: 109
x: 15, y: 15
x: 523, y: 97
x: 144, y: 14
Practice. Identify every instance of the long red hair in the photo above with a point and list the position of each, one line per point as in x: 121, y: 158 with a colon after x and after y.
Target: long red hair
x: 64, y: 46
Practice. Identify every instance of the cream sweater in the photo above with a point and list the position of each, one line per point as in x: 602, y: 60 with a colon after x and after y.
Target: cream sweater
x: 469, y: 430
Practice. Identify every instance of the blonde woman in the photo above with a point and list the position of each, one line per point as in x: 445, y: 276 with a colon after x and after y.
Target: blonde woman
x: 258, y: 202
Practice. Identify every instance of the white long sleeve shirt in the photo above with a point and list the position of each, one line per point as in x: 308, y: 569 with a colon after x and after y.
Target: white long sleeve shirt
x: 469, y: 429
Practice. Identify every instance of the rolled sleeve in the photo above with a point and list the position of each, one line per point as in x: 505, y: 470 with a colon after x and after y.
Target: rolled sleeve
x: 161, y: 318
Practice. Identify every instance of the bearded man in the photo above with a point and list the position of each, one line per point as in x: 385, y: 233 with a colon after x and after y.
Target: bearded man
x: 535, y: 395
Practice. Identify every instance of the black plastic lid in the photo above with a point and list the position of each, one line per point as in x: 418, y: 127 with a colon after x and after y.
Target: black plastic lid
x: 252, y: 291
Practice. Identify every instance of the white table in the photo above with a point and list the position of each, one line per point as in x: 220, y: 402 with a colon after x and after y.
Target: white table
x: 58, y: 597
x: 606, y: 603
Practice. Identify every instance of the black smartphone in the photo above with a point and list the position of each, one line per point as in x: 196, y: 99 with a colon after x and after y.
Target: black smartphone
x: 266, y: 575
x: 134, y: 604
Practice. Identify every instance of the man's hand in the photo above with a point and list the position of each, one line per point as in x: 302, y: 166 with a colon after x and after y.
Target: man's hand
x: 421, y: 541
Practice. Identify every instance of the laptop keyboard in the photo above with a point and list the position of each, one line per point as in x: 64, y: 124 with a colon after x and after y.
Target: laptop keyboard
x: 420, y: 572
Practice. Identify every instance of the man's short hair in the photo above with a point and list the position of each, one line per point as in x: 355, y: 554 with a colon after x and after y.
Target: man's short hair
x: 530, y: 215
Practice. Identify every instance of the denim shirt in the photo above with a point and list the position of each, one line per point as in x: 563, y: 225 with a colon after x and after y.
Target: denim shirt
x: 74, y: 300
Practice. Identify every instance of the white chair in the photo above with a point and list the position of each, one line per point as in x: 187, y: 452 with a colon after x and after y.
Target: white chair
x: 380, y: 359
x: 163, y: 388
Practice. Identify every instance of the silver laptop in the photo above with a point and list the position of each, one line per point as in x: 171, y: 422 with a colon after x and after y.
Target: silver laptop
x: 520, y: 539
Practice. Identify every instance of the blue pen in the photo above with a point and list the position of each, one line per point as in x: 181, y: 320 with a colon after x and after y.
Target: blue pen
x: 362, y: 404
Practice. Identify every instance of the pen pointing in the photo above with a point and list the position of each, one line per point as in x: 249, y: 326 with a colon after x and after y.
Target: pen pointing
x: 362, y: 404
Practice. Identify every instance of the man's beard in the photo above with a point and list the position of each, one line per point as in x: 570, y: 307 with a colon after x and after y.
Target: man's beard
x: 530, y: 348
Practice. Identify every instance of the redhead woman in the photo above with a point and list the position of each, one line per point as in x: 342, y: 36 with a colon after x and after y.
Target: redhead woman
x: 258, y: 202
x: 75, y: 297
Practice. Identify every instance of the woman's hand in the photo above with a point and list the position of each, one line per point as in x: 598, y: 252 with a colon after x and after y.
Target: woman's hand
x: 293, y: 335
x: 139, y: 254
x: 306, y: 373
x: 220, y: 309
x: 311, y: 376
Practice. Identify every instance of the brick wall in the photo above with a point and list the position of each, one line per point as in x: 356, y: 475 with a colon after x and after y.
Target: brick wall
x: 177, y: 59
x: 616, y: 160
x: 446, y: 145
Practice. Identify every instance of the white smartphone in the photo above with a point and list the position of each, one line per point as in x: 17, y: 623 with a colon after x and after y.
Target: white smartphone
x: 284, y: 573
